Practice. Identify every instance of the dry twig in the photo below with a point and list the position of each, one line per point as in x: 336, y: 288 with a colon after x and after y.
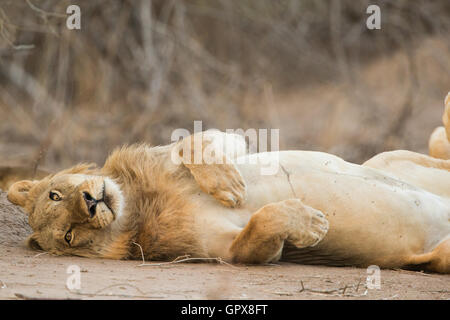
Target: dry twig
x: 99, y: 293
x: 180, y: 259
x: 336, y: 292
x: 26, y: 297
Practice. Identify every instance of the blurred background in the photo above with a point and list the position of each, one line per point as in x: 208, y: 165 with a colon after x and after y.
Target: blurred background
x: 137, y: 70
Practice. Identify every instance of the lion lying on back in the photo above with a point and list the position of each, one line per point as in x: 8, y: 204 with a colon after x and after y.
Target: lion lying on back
x: 393, y: 211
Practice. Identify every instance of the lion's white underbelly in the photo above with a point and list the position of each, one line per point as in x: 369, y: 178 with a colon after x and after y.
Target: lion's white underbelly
x: 368, y: 210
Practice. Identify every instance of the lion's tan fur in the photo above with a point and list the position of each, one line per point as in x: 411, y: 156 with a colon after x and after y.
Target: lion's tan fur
x: 159, y: 211
x: 392, y: 211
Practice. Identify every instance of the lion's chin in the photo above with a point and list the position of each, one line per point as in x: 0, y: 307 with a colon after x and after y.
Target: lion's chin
x: 108, y: 202
x: 103, y: 217
x: 114, y: 200
x: 110, y: 207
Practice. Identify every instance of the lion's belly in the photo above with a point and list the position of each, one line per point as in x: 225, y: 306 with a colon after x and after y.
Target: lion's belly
x: 372, y: 216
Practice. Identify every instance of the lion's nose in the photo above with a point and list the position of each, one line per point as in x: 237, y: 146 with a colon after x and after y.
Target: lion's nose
x: 91, y: 203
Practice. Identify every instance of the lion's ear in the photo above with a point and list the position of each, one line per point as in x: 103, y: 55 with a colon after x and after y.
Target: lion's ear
x: 32, y: 242
x: 18, y: 192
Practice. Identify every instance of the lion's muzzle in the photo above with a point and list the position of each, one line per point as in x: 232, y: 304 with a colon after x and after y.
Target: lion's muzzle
x: 91, y: 203
x: 98, y: 203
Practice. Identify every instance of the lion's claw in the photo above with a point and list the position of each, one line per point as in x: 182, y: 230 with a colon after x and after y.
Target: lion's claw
x: 309, y: 226
x: 223, y: 182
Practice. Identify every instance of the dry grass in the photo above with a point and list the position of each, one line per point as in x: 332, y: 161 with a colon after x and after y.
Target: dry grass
x: 139, y: 69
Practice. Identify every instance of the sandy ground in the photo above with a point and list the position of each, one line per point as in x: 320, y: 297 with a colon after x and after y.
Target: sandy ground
x: 27, y: 274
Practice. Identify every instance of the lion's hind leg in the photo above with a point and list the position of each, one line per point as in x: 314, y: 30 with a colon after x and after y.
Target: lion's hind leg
x: 439, y: 142
x: 262, y: 239
x: 437, y: 260
x: 417, y: 169
x: 390, y: 160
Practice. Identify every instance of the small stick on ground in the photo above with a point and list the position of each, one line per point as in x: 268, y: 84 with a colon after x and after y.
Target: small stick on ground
x: 338, y: 291
x: 414, y: 272
x: 180, y: 259
x: 142, y: 252
x: 39, y: 254
x: 185, y: 258
x: 99, y: 293
x: 25, y: 297
x: 439, y: 291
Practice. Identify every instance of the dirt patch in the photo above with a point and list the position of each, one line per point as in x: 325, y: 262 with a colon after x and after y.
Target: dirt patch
x: 26, y: 274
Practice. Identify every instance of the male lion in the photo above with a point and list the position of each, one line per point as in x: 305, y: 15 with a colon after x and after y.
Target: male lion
x: 393, y: 211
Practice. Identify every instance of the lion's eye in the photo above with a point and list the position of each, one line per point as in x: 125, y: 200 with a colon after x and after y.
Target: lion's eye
x: 54, y: 196
x: 68, y: 237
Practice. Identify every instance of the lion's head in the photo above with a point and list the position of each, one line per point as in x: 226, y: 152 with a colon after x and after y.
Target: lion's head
x: 68, y: 210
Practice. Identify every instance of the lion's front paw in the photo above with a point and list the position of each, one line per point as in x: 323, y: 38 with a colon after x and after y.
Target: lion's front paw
x: 232, y: 196
x: 223, y: 182
x: 309, y: 226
